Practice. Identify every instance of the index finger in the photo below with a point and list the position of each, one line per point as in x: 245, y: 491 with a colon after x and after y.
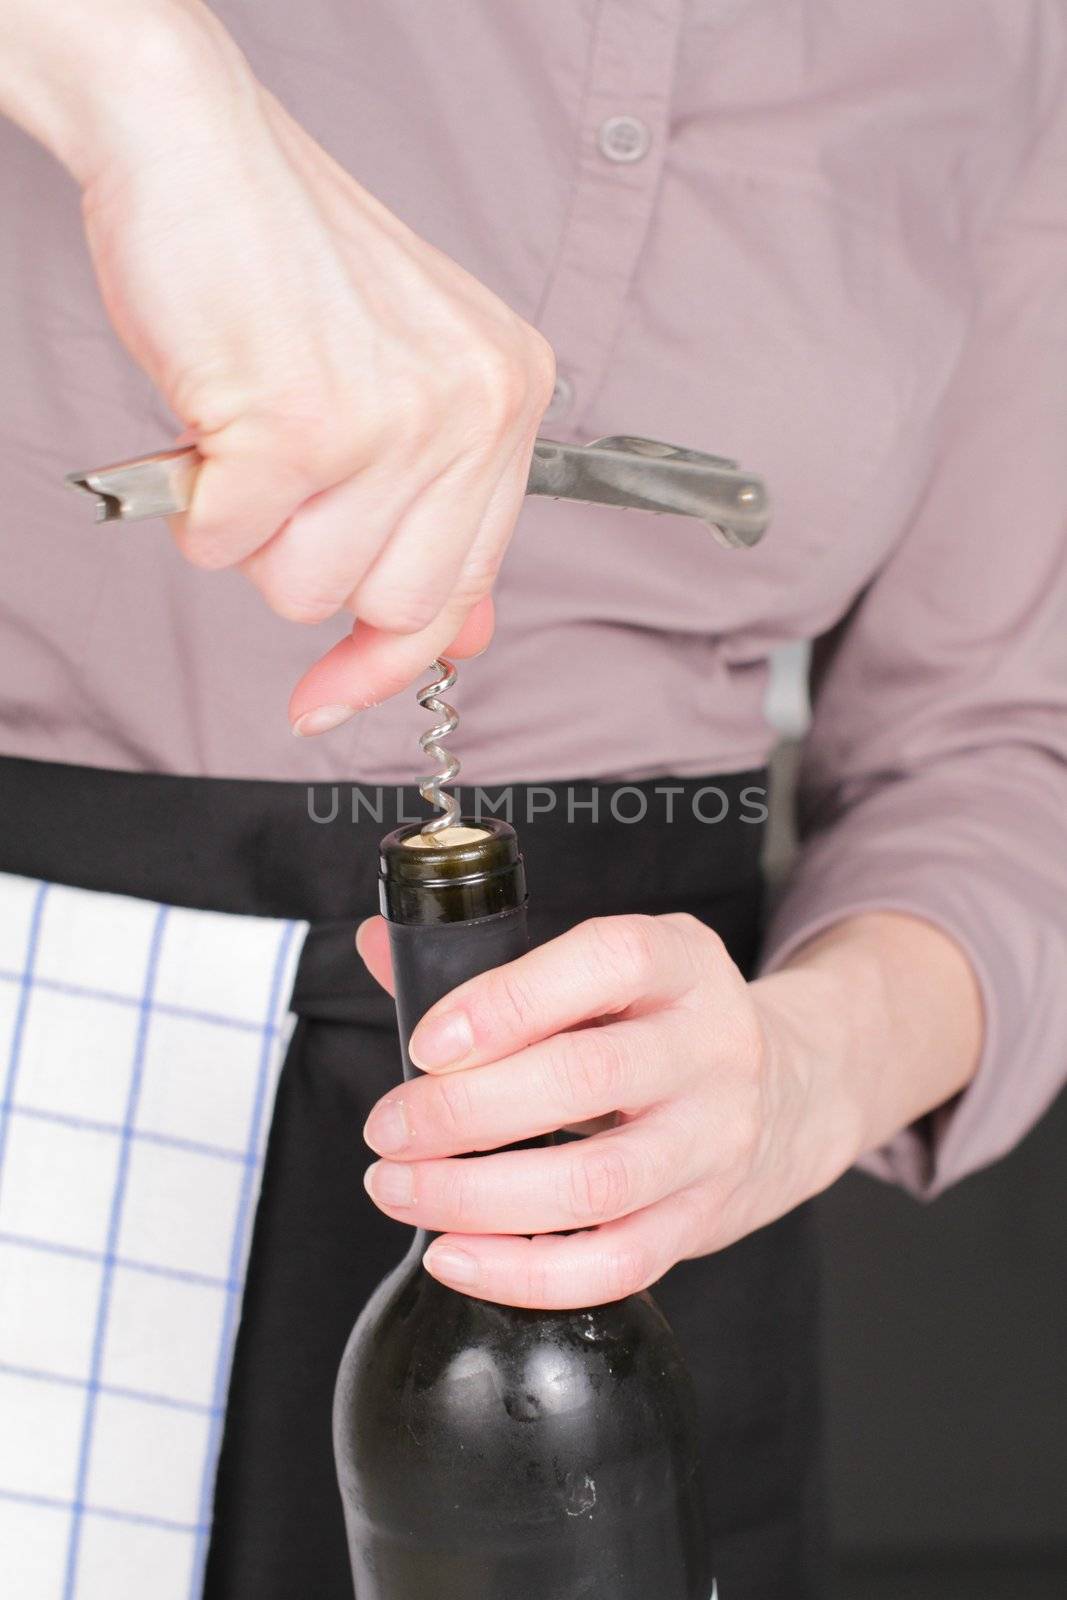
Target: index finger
x: 602, y: 967
x: 369, y: 665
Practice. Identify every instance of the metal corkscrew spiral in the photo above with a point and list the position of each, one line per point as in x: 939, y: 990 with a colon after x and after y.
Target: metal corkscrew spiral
x: 447, y: 764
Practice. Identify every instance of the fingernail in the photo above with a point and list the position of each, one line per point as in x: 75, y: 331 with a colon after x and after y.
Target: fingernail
x: 387, y: 1128
x: 441, y: 1041
x: 393, y: 1185
x: 455, y: 1266
x: 321, y: 720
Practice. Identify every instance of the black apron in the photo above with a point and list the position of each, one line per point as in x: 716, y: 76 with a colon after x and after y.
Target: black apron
x: 747, y: 1317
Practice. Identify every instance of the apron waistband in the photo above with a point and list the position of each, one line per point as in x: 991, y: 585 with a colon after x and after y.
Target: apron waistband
x: 310, y: 851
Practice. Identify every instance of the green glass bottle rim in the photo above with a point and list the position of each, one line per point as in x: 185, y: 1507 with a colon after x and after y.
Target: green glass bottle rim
x: 452, y: 882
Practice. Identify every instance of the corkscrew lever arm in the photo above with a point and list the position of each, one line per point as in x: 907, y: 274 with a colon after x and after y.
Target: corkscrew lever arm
x: 624, y: 471
x: 646, y: 475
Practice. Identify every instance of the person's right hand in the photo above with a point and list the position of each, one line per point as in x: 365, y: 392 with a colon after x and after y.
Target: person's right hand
x: 366, y: 409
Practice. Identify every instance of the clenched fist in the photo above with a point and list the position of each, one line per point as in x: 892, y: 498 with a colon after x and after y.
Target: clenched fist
x: 366, y: 409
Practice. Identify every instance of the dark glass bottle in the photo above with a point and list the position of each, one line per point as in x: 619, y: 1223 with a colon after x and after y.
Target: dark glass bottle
x: 485, y: 1452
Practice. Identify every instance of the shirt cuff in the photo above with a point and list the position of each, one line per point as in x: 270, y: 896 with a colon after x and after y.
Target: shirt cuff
x: 1014, y: 955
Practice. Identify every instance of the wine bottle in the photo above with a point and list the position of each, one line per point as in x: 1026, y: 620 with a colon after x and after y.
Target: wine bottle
x: 486, y: 1452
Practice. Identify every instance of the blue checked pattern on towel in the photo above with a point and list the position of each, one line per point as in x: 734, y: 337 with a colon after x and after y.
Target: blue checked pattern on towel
x: 139, y: 1051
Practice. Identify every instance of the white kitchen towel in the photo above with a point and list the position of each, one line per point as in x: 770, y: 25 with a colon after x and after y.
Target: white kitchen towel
x: 139, y: 1051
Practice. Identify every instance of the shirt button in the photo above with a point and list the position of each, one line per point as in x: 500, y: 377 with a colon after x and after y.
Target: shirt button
x: 624, y: 138
x: 561, y: 401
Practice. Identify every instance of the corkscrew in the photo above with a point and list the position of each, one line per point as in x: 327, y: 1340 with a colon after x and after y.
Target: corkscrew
x: 623, y: 470
x: 447, y: 769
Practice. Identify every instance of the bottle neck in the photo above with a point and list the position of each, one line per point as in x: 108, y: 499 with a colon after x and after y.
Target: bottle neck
x: 452, y: 913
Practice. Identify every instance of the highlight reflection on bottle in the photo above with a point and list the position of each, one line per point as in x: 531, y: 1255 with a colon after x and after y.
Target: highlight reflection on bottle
x: 486, y: 1452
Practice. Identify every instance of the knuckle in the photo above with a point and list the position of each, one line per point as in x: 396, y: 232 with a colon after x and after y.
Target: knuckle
x: 541, y: 369
x: 205, y: 549
x: 456, y: 1190
x: 692, y: 927
x: 285, y: 432
x: 509, y: 1003
x: 478, y: 576
x: 537, y: 1282
x: 696, y: 1222
x: 451, y: 1105
x: 626, y: 1271
x: 701, y: 946
x: 692, y: 1210
x: 395, y: 608
x: 414, y: 406
x: 301, y: 605
x: 624, y: 947
x: 600, y: 1185
x: 300, y: 438
x: 588, y: 1070
x: 500, y: 386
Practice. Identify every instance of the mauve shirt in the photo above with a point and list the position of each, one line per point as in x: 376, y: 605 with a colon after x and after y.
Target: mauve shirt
x: 827, y: 239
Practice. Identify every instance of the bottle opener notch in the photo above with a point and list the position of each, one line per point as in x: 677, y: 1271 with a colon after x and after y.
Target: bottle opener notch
x: 157, y: 485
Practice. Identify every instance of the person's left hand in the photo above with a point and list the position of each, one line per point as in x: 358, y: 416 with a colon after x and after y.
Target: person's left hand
x: 707, y: 1107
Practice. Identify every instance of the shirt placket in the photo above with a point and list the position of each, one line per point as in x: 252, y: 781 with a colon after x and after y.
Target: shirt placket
x: 624, y: 129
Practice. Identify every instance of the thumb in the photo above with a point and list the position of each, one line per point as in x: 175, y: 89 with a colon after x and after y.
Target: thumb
x: 372, y: 943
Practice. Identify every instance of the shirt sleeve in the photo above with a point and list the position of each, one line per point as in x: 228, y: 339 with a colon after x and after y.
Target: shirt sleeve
x: 934, y: 777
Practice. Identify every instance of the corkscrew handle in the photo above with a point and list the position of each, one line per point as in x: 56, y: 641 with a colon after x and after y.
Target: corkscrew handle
x: 624, y: 471
x: 639, y: 474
